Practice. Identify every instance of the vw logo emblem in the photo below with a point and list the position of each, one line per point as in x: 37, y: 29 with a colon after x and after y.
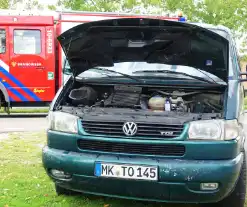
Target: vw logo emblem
x: 130, y: 128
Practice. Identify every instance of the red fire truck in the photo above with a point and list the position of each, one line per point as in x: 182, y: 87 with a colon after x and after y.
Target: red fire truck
x: 31, y: 60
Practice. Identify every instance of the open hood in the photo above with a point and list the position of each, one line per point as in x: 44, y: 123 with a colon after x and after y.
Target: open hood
x: 103, y: 43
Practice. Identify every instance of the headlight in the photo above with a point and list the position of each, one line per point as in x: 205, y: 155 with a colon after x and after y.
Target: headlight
x: 216, y: 129
x: 63, y: 122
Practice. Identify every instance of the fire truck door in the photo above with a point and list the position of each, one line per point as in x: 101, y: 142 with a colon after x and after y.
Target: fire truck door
x: 30, y: 63
x: 5, y: 86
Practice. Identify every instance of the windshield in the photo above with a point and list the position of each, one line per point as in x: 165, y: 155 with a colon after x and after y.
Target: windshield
x: 136, y: 68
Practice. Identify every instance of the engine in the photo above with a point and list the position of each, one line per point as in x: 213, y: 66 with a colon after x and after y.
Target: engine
x: 147, y: 98
x: 195, y: 102
x: 165, y: 101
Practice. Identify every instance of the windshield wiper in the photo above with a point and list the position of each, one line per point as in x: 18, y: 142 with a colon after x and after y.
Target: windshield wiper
x: 174, y: 72
x: 123, y: 74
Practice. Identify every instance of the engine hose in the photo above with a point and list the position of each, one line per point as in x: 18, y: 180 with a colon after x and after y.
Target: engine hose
x: 212, y: 106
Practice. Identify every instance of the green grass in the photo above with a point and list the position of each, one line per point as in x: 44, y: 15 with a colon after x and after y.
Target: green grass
x: 23, y: 182
x: 26, y: 110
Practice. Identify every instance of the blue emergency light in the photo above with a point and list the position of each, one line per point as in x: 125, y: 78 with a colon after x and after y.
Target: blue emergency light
x: 181, y: 18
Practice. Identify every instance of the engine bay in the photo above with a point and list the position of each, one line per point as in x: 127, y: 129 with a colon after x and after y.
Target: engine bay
x: 157, y: 99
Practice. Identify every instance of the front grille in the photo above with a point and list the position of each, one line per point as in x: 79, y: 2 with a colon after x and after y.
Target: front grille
x: 144, y: 129
x: 131, y: 148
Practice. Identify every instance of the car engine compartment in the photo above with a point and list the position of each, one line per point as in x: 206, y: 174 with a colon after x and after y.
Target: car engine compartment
x: 156, y: 99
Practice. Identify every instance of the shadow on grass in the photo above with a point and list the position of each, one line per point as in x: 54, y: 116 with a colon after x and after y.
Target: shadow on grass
x: 117, y: 202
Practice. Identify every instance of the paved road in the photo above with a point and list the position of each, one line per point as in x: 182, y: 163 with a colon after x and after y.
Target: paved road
x: 16, y: 124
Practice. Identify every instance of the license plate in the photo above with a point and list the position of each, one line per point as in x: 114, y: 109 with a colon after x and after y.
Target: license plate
x: 126, y: 171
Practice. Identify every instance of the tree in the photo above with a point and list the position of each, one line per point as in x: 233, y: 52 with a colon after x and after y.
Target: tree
x: 110, y: 6
x: 89, y: 5
x: 51, y: 7
x: 32, y: 4
x: 5, y: 4
x: 230, y: 13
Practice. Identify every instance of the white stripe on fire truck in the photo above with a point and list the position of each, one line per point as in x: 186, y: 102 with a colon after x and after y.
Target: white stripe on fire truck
x: 4, y: 65
x: 97, y: 18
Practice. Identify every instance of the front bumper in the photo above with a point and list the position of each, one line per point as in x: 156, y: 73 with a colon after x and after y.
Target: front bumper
x: 179, y: 180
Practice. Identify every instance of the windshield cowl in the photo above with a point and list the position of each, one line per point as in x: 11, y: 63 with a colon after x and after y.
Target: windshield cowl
x: 146, y: 70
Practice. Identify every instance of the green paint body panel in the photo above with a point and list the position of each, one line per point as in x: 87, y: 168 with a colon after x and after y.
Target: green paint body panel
x: 196, y: 150
x: 179, y: 177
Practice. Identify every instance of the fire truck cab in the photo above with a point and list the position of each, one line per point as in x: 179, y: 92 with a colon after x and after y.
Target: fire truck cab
x: 27, y: 60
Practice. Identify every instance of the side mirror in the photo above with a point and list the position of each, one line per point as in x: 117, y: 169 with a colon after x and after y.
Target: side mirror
x: 66, y: 71
x: 66, y: 68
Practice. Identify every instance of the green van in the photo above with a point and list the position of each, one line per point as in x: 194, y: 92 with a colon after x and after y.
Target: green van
x: 153, y: 110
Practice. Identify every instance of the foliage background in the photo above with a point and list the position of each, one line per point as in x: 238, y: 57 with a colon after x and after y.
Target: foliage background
x: 230, y: 13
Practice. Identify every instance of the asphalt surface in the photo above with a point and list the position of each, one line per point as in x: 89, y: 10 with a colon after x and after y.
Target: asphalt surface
x: 22, y: 124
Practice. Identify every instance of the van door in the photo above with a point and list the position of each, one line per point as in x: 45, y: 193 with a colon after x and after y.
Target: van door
x: 29, y: 63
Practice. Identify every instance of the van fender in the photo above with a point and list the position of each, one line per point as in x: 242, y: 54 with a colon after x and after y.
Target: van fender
x: 6, y: 97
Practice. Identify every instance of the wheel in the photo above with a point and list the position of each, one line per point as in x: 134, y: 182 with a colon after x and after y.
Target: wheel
x: 237, y: 197
x: 63, y: 191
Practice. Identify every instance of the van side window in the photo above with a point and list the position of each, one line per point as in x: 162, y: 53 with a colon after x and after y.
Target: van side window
x: 27, y: 41
x: 2, y: 41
